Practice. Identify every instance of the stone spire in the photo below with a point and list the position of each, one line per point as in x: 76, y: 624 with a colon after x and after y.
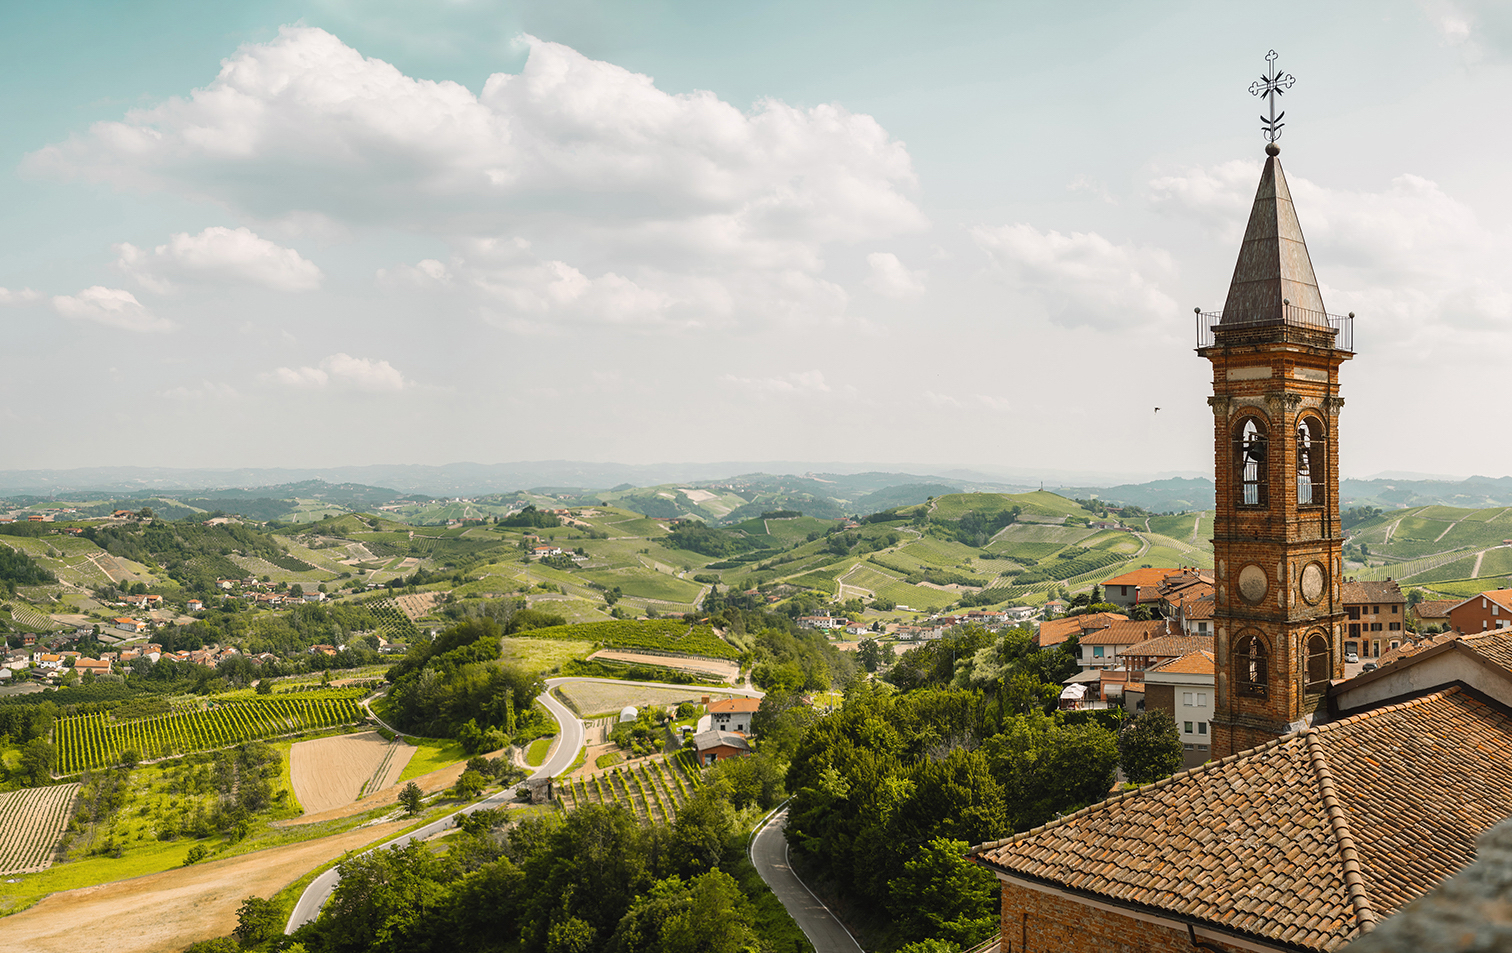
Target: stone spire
x: 1273, y: 266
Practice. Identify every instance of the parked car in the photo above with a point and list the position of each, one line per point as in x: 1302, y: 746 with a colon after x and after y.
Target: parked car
x: 1351, y: 657
x: 1369, y: 667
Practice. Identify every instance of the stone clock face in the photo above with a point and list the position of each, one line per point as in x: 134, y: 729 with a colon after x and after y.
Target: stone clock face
x: 1314, y: 583
x: 1252, y: 583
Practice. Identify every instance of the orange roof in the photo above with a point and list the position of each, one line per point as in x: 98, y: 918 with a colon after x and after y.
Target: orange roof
x: 1172, y: 646
x: 733, y: 705
x: 1198, y: 663
x: 1125, y: 632
x: 1141, y: 577
x: 1502, y: 597
x: 1055, y: 631
x: 1303, y: 842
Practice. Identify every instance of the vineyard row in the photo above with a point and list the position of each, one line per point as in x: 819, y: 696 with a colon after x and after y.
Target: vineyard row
x: 652, y: 791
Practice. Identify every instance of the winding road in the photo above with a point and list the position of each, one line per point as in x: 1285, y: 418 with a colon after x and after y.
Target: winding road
x: 320, y: 889
x: 769, y: 852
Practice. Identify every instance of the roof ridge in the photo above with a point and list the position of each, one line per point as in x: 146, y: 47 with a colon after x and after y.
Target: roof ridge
x: 1112, y: 799
x: 1354, y: 881
x: 1388, y: 709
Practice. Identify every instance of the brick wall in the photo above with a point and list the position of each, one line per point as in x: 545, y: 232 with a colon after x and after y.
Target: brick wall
x: 1053, y: 924
x: 1470, y: 618
x: 1160, y: 696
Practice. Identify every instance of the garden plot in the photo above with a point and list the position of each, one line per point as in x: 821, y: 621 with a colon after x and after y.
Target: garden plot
x: 596, y: 698
x: 332, y: 772
x: 31, y: 821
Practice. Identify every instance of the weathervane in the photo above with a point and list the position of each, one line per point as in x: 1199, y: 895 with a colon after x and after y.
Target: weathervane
x: 1271, y: 85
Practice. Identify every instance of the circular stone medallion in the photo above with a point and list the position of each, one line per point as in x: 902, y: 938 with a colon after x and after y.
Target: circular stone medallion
x: 1314, y: 581
x: 1252, y: 583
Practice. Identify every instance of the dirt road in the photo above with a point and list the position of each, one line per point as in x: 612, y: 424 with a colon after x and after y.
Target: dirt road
x: 170, y: 910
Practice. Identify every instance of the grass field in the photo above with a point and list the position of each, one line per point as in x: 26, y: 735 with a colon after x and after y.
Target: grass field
x: 535, y: 755
x: 430, y: 754
x: 543, y: 655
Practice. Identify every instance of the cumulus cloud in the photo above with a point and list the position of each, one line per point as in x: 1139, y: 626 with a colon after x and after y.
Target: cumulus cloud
x: 218, y: 255
x: 1081, y: 278
x: 651, y: 191
x: 112, y: 307
x: 1412, y: 258
x: 1482, y: 29
x: 22, y: 296
x: 890, y: 277
x: 343, y: 371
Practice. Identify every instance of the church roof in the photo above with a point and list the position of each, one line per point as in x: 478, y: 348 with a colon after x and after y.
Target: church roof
x: 1300, y: 843
x: 1273, y: 262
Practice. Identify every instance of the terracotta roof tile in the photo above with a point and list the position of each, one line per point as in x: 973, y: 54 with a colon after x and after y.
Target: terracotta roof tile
x: 1435, y: 608
x: 1141, y: 577
x: 1197, y: 663
x: 1268, y: 842
x: 1125, y: 632
x: 1172, y: 646
x: 1055, y: 631
x: 1361, y: 593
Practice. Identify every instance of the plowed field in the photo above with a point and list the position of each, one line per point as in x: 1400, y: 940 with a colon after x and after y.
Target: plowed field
x: 331, y: 772
x: 30, y: 822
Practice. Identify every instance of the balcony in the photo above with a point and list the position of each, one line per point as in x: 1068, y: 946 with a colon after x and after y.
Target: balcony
x: 1339, y: 326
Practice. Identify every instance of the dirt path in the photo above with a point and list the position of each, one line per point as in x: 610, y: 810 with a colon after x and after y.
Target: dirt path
x: 170, y: 910
x: 1474, y: 573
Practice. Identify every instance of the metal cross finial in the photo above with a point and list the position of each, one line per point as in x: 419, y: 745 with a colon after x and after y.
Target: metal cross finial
x: 1271, y: 85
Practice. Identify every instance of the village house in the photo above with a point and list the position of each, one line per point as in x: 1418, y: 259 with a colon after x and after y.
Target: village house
x: 1053, y: 632
x: 195, y: 605
x: 97, y: 666
x: 1431, y: 612
x: 1123, y: 591
x: 825, y: 621
x: 129, y: 625
x: 1377, y: 615
x: 1105, y: 647
x: 1183, y: 688
x: 715, y: 745
x: 1487, y: 611
x: 733, y: 714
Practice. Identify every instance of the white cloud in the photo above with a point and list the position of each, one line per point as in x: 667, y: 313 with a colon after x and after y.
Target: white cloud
x: 1414, y: 260
x: 343, y: 371
x: 891, y: 278
x: 23, y: 296
x: 219, y: 255
x: 1482, y: 29
x: 793, y: 384
x: 1081, y: 278
x: 675, y: 210
x: 109, y: 306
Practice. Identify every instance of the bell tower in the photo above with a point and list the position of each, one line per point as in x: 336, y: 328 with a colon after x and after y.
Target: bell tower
x: 1277, y: 539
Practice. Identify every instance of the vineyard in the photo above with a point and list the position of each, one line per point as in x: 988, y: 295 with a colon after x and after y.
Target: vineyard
x: 651, y: 790
x: 658, y: 635
x: 31, y: 821
x: 95, y: 741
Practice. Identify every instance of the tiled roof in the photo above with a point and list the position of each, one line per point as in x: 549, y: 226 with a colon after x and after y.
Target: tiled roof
x: 1197, y: 663
x: 1140, y: 577
x: 1056, y: 631
x: 1301, y: 841
x: 714, y: 738
x: 1172, y: 646
x: 1435, y: 608
x: 1358, y: 593
x: 1494, y: 646
x: 1125, y: 632
x: 731, y: 705
x: 1502, y: 597
x: 1198, y: 609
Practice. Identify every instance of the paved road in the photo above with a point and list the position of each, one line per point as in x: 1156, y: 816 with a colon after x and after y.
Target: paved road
x: 746, y: 690
x: 320, y: 889
x: 770, y: 855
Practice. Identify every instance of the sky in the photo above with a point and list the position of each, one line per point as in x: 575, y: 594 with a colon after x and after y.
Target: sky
x: 304, y: 234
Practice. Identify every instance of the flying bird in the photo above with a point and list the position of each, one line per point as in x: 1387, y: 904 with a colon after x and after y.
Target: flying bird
x: 1157, y: 410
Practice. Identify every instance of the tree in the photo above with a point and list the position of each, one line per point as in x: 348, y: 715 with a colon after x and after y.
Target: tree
x: 1149, y: 747
x: 870, y: 654
x: 258, y: 921
x: 942, y: 895
x: 470, y: 785
x: 411, y: 798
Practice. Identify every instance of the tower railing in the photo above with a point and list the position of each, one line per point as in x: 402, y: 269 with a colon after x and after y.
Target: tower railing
x: 1341, y: 325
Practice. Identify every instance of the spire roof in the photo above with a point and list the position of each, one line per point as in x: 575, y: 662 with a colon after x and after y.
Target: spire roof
x: 1273, y: 265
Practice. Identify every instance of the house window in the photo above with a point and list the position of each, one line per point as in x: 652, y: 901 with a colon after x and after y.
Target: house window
x: 1310, y: 468
x: 1250, y: 665
x: 1249, y: 462
x: 1097, y: 651
x: 1394, y: 610
x: 1186, y: 726
x: 1319, y: 664
x: 1202, y: 628
x: 1202, y: 699
x: 1202, y: 727
x: 1186, y: 699
x: 1395, y: 627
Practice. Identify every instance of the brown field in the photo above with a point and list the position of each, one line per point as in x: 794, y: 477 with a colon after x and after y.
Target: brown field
x: 597, y: 698
x: 438, y: 780
x: 170, y: 910
x: 331, y: 772
x: 706, y: 666
x: 31, y: 821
